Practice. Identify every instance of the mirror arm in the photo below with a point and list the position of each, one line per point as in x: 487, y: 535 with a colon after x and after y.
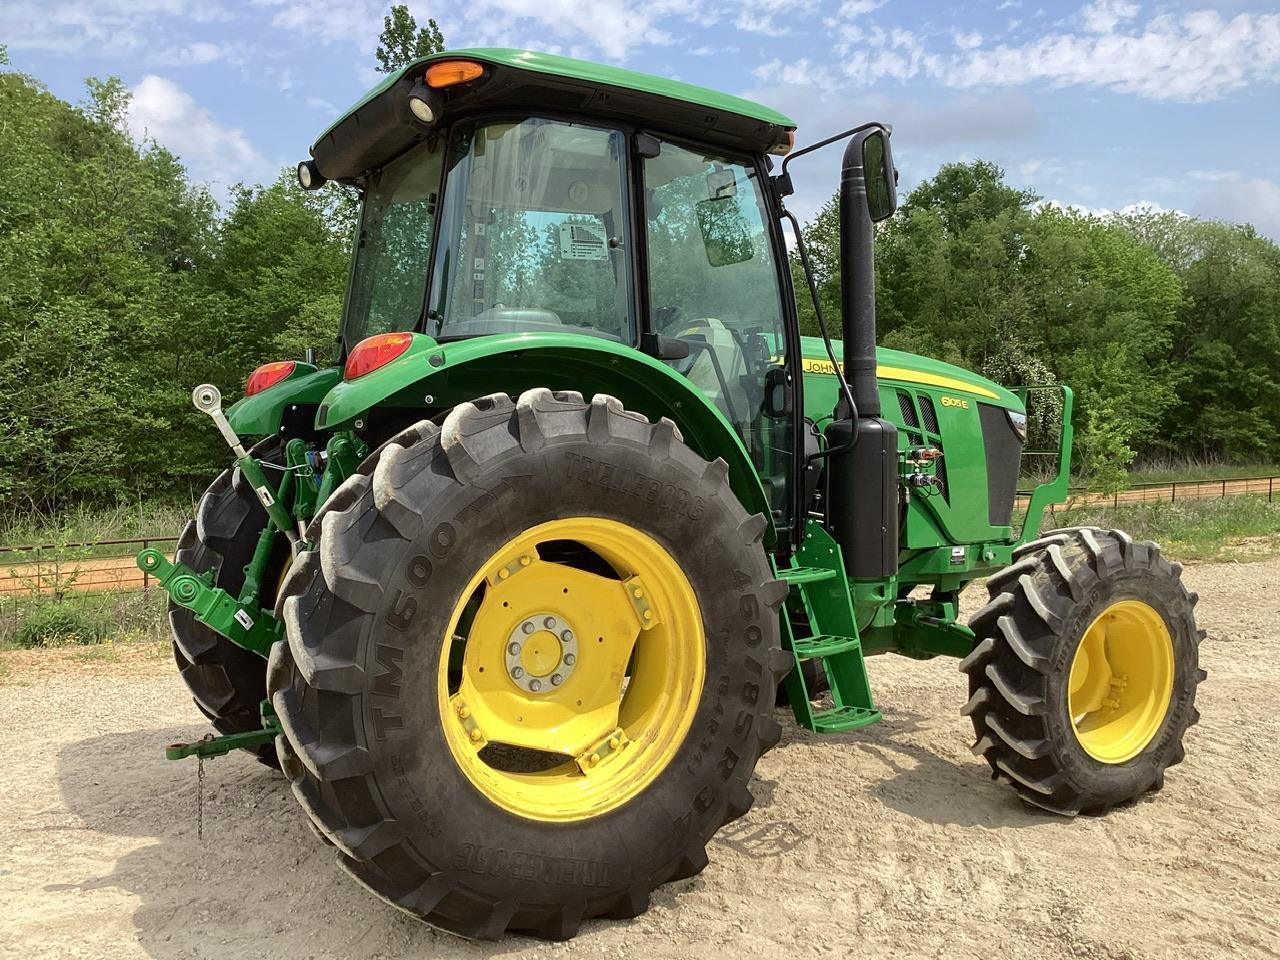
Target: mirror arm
x: 797, y: 154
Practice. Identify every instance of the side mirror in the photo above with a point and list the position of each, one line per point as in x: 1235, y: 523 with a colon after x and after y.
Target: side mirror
x: 778, y: 396
x: 882, y: 178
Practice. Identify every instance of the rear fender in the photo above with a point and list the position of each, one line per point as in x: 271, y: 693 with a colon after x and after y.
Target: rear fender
x: 435, y: 375
x: 263, y: 413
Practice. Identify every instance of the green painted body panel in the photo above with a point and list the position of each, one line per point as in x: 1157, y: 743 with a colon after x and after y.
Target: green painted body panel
x: 820, y: 386
x: 261, y: 414
x: 432, y: 374
x: 933, y: 521
x: 597, y: 74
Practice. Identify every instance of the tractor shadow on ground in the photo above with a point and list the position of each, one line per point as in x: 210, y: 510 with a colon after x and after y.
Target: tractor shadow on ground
x: 259, y: 883
x: 906, y: 766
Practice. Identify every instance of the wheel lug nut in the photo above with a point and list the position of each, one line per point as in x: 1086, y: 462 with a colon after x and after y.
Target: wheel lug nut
x: 549, y: 623
x: 535, y: 685
x: 528, y: 626
x: 517, y: 672
x: 556, y: 679
x: 567, y: 636
x: 568, y: 659
x: 514, y: 649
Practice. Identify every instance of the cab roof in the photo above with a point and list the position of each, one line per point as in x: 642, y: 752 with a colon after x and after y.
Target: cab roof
x: 377, y: 128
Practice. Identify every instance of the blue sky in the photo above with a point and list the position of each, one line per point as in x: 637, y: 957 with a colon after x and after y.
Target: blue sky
x: 1100, y: 105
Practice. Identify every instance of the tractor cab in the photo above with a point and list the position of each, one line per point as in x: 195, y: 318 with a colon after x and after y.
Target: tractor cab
x: 504, y: 217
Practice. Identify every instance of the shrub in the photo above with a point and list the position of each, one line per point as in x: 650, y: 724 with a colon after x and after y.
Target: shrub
x: 56, y: 623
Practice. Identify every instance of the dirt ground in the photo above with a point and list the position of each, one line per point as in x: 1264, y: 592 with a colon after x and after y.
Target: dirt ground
x: 891, y: 841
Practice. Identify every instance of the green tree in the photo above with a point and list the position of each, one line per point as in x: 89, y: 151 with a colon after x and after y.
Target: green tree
x: 402, y: 41
x: 1224, y: 359
x: 121, y: 288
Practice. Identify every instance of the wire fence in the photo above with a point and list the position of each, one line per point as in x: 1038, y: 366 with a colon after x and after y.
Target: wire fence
x: 1171, y: 491
x: 79, y: 592
x: 85, y: 591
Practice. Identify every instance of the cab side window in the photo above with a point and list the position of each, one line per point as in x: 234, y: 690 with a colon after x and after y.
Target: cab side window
x: 714, y: 283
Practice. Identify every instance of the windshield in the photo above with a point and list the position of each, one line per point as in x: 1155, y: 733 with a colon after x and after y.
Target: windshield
x: 389, y: 275
x: 531, y: 235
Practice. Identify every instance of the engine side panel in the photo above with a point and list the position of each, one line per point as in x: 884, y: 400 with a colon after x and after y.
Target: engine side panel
x: 963, y: 415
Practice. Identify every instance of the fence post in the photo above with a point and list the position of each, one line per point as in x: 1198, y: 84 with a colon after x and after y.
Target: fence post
x: 1173, y: 492
x: 1224, y: 489
x: 1270, y: 484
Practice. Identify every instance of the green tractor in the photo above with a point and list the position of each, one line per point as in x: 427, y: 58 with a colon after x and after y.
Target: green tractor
x: 512, y: 594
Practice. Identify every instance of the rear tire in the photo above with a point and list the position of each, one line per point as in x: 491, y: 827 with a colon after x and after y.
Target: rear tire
x: 366, y: 740
x: 227, y: 682
x: 1025, y: 697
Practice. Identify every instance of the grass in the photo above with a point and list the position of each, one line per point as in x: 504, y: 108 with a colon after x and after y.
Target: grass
x: 82, y: 619
x: 1161, y: 471
x: 1223, y: 528
x: 1169, y: 471
x: 100, y: 653
x: 86, y: 524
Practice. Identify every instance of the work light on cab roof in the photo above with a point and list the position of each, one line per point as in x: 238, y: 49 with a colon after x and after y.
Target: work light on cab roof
x: 576, y: 505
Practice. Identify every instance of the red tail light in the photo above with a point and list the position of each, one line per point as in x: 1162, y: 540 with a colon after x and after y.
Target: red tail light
x: 374, y: 352
x: 268, y: 375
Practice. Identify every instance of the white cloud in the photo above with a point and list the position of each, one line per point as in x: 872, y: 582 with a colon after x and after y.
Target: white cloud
x: 1198, y: 56
x: 968, y: 41
x: 856, y: 8
x: 196, y: 54
x: 802, y: 72
x: 1103, y: 16
x: 1193, y: 56
x: 219, y: 155
x: 761, y: 23
x: 1239, y: 199
x: 69, y: 26
x: 1106, y: 213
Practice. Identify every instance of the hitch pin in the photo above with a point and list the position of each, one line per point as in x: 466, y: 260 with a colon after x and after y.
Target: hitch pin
x: 208, y: 399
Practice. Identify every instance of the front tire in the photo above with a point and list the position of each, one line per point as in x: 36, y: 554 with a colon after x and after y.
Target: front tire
x: 1083, y: 680
x: 399, y: 677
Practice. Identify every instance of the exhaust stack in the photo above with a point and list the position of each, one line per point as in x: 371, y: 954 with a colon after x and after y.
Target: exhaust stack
x: 864, y: 474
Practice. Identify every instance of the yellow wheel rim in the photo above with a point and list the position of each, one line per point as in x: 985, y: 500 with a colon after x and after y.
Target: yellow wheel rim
x: 572, y: 668
x: 1121, y: 681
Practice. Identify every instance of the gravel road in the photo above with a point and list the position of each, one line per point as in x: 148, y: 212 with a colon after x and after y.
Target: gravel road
x: 891, y: 841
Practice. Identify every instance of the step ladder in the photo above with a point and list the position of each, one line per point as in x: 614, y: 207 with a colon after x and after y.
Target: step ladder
x: 819, y: 600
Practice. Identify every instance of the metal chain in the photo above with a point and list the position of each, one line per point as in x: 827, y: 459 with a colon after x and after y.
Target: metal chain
x: 200, y: 799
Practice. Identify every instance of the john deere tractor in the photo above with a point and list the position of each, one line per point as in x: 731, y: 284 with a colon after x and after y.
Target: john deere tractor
x: 512, y: 592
